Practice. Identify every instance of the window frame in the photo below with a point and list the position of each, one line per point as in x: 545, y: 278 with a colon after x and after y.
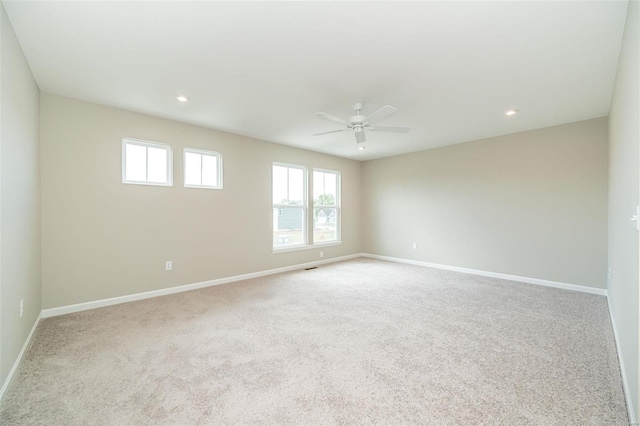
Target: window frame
x: 201, y: 152
x: 147, y: 144
x: 305, y: 196
x: 337, y: 206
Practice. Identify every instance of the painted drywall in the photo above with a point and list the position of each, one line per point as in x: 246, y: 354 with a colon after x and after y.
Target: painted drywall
x: 624, y: 189
x: 20, y: 204
x: 102, y: 238
x: 532, y: 204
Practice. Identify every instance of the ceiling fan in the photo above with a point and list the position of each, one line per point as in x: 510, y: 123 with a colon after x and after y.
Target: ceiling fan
x: 359, y: 123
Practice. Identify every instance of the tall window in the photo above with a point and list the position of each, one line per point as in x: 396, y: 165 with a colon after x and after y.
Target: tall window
x: 289, y: 205
x: 202, y: 169
x: 326, y: 206
x: 146, y: 163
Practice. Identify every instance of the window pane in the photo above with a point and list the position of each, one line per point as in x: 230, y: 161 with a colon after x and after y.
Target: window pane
x: 157, y: 165
x: 209, y: 170
x: 296, y: 186
x: 135, y: 163
x: 288, y: 223
x: 325, y: 193
x: 325, y: 225
x: 192, y: 171
x: 280, y: 185
x: 318, y: 187
x: 330, y: 184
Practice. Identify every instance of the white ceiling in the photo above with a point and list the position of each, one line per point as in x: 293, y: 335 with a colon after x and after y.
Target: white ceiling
x: 263, y: 69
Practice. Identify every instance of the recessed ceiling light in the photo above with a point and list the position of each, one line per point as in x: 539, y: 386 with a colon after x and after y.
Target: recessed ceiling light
x: 361, y: 148
x: 511, y: 112
x: 182, y: 98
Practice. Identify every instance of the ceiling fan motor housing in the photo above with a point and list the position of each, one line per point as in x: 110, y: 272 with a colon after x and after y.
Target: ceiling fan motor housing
x: 357, y: 120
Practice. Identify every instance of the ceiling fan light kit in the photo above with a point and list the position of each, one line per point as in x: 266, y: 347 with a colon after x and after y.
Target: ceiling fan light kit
x: 359, y: 123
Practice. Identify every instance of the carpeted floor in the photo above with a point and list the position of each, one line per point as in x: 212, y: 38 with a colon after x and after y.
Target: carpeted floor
x: 357, y: 342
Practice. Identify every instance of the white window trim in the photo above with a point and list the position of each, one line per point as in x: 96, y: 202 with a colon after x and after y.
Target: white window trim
x: 304, y: 206
x: 299, y: 247
x: 337, y: 206
x: 201, y: 152
x: 309, y: 244
x: 139, y: 142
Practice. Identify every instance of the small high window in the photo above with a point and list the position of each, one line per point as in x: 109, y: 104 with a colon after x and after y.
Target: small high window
x: 146, y: 163
x: 202, y: 169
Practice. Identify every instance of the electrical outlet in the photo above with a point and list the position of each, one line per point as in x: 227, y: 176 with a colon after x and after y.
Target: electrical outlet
x: 415, y: 246
x: 21, y: 307
x: 321, y: 254
x: 168, y: 265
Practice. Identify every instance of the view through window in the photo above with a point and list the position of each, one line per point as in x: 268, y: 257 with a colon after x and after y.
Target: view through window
x: 326, y: 206
x: 289, y: 207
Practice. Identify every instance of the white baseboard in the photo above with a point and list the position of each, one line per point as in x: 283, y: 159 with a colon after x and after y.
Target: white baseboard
x: 16, y: 364
x: 62, y: 310
x: 537, y: 281
x: 625, y: 381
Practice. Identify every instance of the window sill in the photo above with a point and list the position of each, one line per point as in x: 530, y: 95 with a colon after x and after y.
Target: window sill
x: 133, y: 182
x: 202, y: 187
x: 306, y: 247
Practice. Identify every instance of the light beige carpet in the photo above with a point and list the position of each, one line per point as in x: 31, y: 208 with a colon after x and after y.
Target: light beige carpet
x: 357, y: 342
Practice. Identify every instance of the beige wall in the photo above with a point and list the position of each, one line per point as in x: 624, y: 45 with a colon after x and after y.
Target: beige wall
x: 20, y: 199
x: 102, y: 238
x: 624, y: 188
x: 531, y: 204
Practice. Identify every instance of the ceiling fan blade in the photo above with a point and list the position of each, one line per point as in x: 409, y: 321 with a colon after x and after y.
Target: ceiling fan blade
x: 397, y: 129
x: 331, y: 117
x: 360, y: 137
x: 332, y: 131
x: 380, y: 114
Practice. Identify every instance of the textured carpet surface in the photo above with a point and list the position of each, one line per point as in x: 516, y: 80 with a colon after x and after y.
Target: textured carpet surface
x: 357, y: 342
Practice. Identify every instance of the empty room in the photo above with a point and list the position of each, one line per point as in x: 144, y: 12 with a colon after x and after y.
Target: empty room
x: 319, y: 212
